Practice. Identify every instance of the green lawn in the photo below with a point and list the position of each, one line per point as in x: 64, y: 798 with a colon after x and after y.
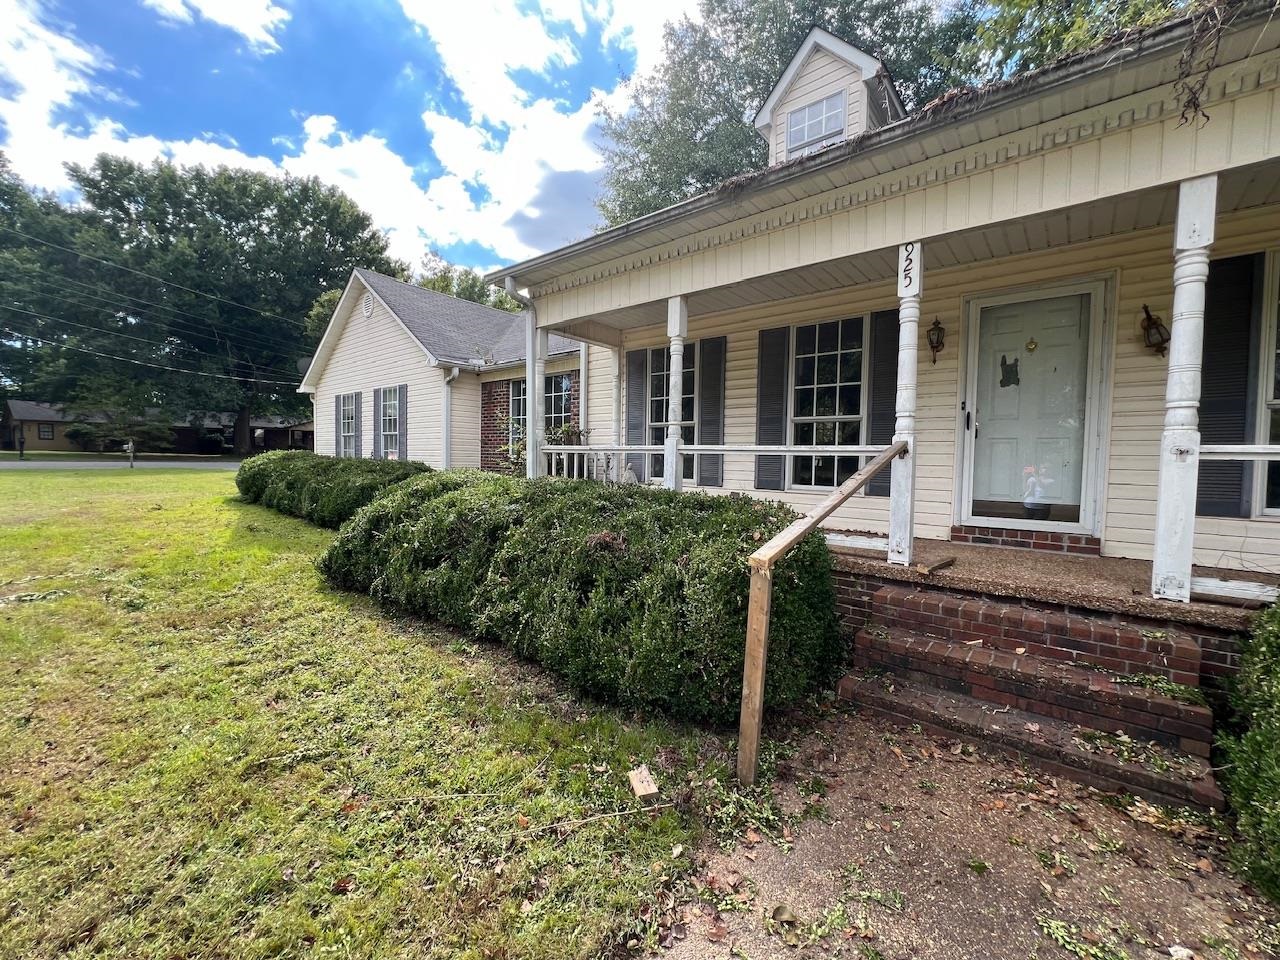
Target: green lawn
x: 54, y: 456
x: 207, y: 753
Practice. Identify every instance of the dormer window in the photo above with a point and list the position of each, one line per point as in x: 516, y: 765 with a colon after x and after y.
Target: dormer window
x: 815, y: 126
x: 830, y: 92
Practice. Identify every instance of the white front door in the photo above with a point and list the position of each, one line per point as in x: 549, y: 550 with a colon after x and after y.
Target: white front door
x: 1029, y: 416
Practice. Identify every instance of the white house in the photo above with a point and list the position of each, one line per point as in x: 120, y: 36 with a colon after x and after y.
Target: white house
x: 989, y: 279
x: 405, y: 372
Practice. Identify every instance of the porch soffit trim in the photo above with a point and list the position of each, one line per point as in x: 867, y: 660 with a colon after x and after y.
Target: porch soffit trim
x: 1144, y: 108
x: 904, y: 134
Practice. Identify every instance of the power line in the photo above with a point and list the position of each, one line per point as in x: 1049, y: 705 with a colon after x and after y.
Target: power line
x: 68, y: 298
x: 144, y: 363
x: 265, y: 339
x: 151, y: 276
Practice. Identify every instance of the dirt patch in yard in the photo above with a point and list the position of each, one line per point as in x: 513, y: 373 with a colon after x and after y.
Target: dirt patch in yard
x: 909, y: 846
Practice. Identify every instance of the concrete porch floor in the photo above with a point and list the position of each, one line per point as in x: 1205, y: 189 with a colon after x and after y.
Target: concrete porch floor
x: 1109, y: 584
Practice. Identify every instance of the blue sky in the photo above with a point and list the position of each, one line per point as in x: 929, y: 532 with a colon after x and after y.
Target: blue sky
x: 465, y: 127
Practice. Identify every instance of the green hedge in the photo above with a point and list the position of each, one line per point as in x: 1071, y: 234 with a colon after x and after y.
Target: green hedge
x: 324, y: 490
x: 636, y: 596
x: 1252, y: 775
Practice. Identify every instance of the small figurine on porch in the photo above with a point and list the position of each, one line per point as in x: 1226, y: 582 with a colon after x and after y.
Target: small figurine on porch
x: 1036, y: 481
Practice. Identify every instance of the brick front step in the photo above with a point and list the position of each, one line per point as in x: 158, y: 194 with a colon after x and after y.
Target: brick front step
x: 1070, y: 637
x: 1032, y: 684
x: 1054, y: 746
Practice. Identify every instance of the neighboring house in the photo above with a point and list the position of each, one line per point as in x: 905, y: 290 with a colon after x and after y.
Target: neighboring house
x: 406, y: 372
x: 44, y: 427
x: 1040, y: 215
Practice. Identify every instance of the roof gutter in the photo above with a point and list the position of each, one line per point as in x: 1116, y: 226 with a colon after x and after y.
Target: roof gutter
x: 967, y: 105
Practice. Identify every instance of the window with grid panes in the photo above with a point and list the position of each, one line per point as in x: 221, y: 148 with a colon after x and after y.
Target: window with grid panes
x: 348, y: 425
x: 659, y: 392
x: 390, y: 425
x: 516, y: 414
x: 816, y: 125
x: 558, y: 396
x: 826, y: 399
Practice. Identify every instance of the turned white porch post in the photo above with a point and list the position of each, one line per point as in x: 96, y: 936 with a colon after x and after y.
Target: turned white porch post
x: 902, y: 481
x: 1180, y: 443
x: 677, y: 330
x: 533, y: 339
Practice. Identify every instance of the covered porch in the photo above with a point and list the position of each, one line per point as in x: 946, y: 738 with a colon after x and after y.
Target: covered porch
x: 786, y: 385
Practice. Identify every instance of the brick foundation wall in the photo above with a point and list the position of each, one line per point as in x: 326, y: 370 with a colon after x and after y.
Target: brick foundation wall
x: 1219, y: 649
x: 495, y: 412
x: 1028, y: 539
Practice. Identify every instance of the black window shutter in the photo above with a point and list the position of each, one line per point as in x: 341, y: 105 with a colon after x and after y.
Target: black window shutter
x: 882, y: 390
x: 711, y: 358
x: 377, y: 423
x: 1226, y: 388
x: 359, y: 425
x: 771, y: 405
x: 637, y: 379
x: 337, y: 425
x: 402, y: 420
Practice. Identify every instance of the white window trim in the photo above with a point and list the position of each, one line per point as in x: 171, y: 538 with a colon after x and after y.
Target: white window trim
x: 516, y: 425
x: 40, y: 430
x: 650, y: 425
x: 842, y: 98
x: 394, y: 393
x: 791, y: 483
x: 1264, y: 401
x: 344, y: 399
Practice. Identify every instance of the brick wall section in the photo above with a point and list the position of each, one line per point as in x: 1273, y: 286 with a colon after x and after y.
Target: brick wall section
x: 495, y: 408
x: 1218, y: 649
x: 1029, y: 539
x: 1039, y: 686
x: 1118, y: 647
x: 495, y: 411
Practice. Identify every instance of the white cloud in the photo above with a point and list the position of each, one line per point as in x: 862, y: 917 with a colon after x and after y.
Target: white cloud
x: 534, y: 178
x: 255, y: 20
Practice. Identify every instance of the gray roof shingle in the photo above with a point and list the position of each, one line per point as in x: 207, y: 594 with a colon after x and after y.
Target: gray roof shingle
x: 457, y: 330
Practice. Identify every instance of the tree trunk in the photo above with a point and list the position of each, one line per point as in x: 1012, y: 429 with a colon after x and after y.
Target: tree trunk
x: 243, y: 435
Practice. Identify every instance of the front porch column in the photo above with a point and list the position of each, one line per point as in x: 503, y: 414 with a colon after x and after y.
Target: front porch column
x: 535, y: 367
x: 677, y: 330
x: 902, y: 480
x: 1180, y: 442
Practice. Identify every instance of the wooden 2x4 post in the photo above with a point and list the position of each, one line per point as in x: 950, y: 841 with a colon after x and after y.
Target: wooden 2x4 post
x: 761, y: 600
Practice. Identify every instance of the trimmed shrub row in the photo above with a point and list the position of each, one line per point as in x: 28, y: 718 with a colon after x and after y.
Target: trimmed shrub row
x: 1252, y: 774
x: 636, y: 596
x: 324, y: 490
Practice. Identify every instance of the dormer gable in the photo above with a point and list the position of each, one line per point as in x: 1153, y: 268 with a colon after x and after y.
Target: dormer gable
x: 830, y: 92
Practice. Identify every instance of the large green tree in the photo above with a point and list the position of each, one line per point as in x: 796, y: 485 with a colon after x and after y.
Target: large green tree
x: 687, y: 127
x: 208, y: 272
x: 1014, y: 36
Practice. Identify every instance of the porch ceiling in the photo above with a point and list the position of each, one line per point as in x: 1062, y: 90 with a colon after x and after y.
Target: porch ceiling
x: 1240, y: 189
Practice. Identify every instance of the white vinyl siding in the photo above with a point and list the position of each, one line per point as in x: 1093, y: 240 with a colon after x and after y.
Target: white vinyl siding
x: 1101, y: 153
x: 1141, y: 269
x: 371, y: 352
x: 823, y: 78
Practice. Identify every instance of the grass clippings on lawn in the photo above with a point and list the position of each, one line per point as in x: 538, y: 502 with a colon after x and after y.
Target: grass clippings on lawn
x: 206, y: 752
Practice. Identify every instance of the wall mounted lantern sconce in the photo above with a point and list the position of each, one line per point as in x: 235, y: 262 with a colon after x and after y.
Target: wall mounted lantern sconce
x: 1154, y: 333
x: 937, y: 335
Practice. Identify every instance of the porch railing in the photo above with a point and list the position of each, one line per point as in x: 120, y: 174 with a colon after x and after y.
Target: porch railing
x: 761, y: 598
x: 607, y: 462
